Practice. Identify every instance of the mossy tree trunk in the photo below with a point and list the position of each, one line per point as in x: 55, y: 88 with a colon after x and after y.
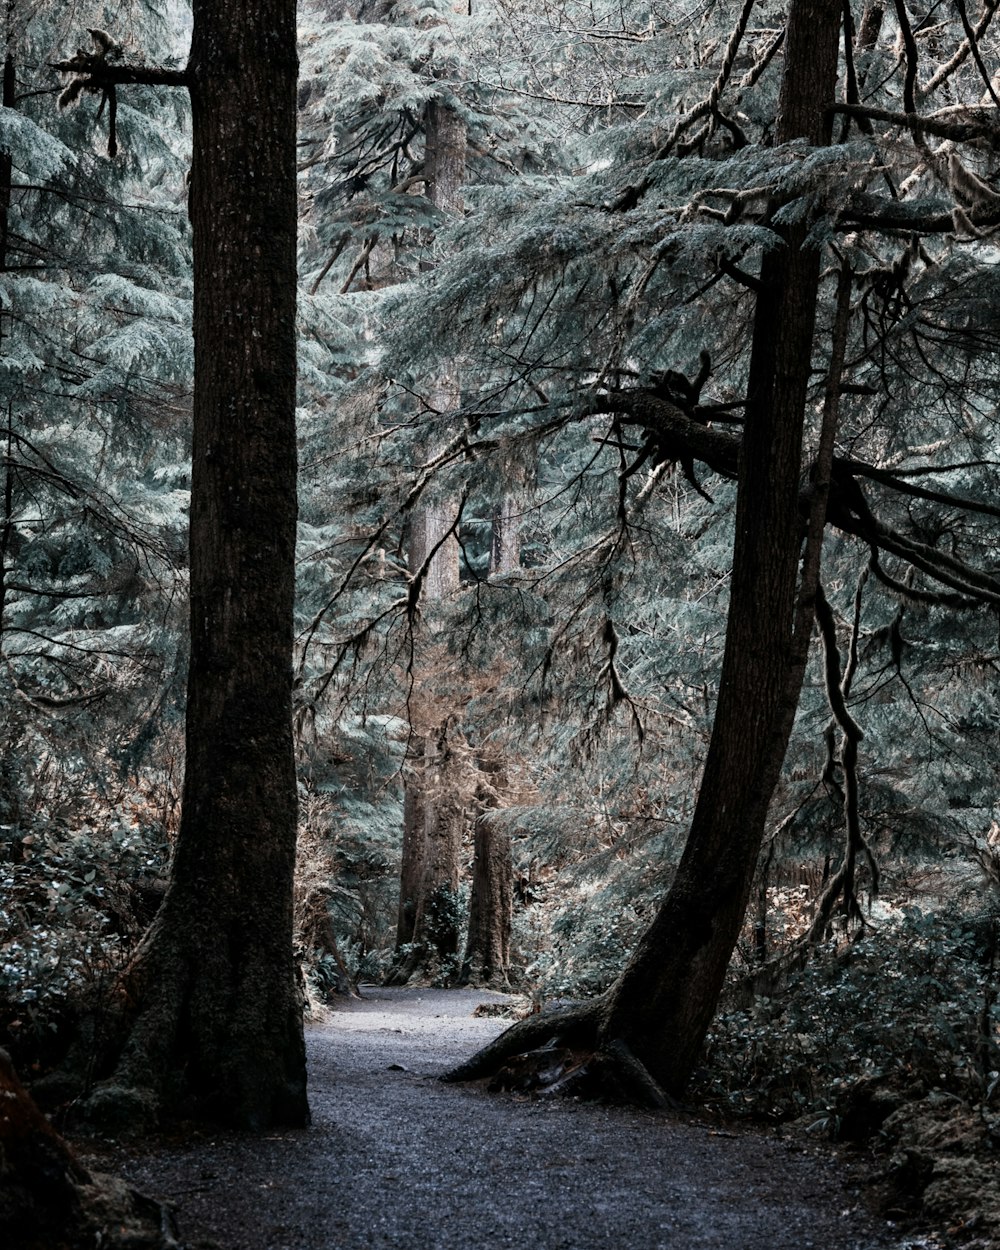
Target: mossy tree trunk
x: 434, y: 816
x: 216, y: 1027
x: 491, y: 899
x: 491, y: 903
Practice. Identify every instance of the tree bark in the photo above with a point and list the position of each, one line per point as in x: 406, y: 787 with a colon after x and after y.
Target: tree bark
x: 665, y: 999
x: 6, y: 174
x: 505, y: 538
x: 444, y: 162
x: 411, y: 877
x: 216, y: 1021
x: 437, y: 920
x: 491, y: 901
x: 491, y: 904
x: 427, y: 930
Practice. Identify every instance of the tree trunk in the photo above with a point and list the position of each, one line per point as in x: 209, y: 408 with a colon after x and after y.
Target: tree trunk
x: 665, y: 999
x: 444, y: 162
x: 437, y: 920
x: 12, y: 713
x: 433, y: 817
x: 6, y: 160
x: 427, y: 932
x: 491, y: 905
x: 411, y: 873
x: 217, y: 1027
x: 491, y: 902
x: 505, y: 537
x: 6, y: 175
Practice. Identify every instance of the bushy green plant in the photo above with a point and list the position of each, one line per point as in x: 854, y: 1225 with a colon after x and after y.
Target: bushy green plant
x: 73, y: 905
x: 910, y: 1007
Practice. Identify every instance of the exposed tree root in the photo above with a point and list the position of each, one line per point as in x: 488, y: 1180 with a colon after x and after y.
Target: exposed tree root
x: 544, y: 1069
x: 559, y: 1053
x: 190, y: 1041
x: 574, y: 1027
x: 638, y: 1087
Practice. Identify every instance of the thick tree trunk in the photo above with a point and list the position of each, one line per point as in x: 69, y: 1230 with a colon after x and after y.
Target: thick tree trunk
x: 217, y: 1025
x: 491, y: 901
x: 428, y: 928
x: 664, y: 1001
x: 437, y: 921
x: 429, y: 530
x: 446, y: 147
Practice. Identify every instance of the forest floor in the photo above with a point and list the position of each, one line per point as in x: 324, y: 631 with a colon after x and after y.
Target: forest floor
x: 395, y: 1159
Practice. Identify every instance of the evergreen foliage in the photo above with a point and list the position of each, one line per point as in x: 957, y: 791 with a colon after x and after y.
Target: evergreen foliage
x: 600, y: 276
x: 623, y: 188
x: 95, y: 375
x: 95, y: 367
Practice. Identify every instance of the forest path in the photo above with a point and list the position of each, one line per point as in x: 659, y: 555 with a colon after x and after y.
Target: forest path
x: 394, y: 1160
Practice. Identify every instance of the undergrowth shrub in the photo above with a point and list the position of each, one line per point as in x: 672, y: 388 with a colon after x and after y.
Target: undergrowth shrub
x: 73, y: 905
x: 339, y: 900
x: 911, y: 1006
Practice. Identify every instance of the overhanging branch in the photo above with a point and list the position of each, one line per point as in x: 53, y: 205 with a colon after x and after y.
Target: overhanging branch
x: 101, y: 74
x: 680, y: 437
x: 960, y: 124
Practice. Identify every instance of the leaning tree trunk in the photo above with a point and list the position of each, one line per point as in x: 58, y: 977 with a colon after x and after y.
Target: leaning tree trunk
x: 659, y: 1010
x: 665, y: 999
x: 217, y: 1027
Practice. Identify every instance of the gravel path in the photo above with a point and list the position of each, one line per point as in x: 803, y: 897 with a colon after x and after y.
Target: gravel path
x: 394, y: 1160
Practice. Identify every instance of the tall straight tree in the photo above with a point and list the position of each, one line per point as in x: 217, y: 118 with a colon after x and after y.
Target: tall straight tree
x: 434, y: 813
x: 216, y: 1024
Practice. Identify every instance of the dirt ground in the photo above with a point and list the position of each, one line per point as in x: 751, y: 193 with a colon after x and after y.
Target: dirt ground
x: 395, y: 1159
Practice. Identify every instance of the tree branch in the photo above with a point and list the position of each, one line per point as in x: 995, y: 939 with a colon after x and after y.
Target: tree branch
x: 101, y: 74
x: 681, y: 438
x: 960, y: 124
